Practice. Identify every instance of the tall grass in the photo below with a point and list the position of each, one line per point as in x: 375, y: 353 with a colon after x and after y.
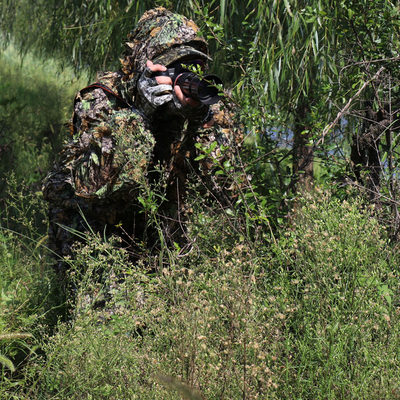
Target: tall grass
x: 35, y: 103
x: 30, y: 299
x: 313, y: 316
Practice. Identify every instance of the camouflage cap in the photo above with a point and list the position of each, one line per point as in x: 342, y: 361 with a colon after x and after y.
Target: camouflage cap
x: 181, y: 53
x: 157, y: 33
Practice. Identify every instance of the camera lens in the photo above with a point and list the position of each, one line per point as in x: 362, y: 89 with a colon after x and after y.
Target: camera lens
x: 203, y: 90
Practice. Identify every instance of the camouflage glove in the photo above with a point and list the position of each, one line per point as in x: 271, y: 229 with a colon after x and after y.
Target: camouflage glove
x: 151, y: 95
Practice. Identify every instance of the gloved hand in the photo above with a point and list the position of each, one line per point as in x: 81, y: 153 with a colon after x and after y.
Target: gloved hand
x: 150, y: 93
x: 153, y: 93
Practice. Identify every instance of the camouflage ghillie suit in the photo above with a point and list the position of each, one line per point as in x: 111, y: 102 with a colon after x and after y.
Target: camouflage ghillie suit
x: 123, y: 142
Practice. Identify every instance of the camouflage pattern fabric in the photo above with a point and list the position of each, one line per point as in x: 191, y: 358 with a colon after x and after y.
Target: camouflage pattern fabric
x: 152, y: 96
x: 116, y: 150
x: 99, y: 172
x: 157, y: 32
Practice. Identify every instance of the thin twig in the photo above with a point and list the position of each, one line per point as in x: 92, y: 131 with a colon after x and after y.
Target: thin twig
x: 346, y: 107
x: 391, y: 201
x: 390, y: 59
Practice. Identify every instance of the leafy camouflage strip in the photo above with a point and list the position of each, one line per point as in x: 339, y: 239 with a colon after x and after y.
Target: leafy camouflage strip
x: 111, y: 147
x: 99, y: 171
x: 222, y: 143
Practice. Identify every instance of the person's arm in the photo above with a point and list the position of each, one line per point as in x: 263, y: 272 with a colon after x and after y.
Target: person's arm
x: 110, y: 151
x: 219, y: 148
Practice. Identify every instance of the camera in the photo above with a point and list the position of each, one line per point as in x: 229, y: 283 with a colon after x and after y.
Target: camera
x: 202, y: 89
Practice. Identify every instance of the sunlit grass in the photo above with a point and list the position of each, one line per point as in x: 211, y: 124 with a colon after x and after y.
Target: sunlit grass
x: 36, y: 100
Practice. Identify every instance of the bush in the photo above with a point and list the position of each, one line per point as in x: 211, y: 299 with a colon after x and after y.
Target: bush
x: 338, y: 268
x: 312, y: 316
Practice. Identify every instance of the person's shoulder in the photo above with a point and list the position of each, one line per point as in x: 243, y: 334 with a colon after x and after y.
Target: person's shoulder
x: 111, y: 79
x: 101, y: 95
x: 106, y: 84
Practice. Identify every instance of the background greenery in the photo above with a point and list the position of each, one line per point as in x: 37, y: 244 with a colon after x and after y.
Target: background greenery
x: 292, y: 293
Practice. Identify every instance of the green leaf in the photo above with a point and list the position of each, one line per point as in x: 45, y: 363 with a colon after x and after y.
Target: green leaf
x: 287, y: 6
x: 6, y: 362
x: 387, y: 293
x: 95, y: 158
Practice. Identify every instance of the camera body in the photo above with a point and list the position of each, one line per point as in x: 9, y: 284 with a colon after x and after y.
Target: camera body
x: 201, y: 89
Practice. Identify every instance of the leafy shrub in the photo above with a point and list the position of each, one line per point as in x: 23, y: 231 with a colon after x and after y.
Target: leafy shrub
x: 312, y: 316
x: 340, y: 271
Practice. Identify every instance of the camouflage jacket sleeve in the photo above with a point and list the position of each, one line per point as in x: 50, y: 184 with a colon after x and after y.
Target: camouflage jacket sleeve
x: 218, y: 148
x: 110, y: 151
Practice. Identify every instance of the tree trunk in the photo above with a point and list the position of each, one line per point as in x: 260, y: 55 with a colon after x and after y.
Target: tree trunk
x: 365, y: 152
x: 303, y: 152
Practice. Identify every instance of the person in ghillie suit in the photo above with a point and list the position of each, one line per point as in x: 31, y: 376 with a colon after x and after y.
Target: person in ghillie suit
x: 131, y: 130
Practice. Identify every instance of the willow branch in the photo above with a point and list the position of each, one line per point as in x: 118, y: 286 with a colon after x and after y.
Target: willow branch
x: 346, y: 107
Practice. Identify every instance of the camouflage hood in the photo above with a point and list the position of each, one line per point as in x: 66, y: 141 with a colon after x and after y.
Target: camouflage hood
x: 164, y: 37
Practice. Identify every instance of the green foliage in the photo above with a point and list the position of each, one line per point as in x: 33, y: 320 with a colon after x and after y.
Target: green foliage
x: 91, y: 34
x: 35, y: 100
x: 262, y: 302
x: 313, y: 316
x: 29, y: 298
x: 340, y: 273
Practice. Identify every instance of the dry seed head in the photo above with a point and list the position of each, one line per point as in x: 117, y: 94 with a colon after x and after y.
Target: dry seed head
x: 386, y: 318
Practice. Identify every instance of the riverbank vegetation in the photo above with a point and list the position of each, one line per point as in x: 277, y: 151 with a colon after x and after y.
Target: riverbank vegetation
x: 290, y: 293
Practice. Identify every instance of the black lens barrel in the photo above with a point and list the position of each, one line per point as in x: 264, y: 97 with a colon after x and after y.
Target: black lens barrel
x: 203, y: 90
